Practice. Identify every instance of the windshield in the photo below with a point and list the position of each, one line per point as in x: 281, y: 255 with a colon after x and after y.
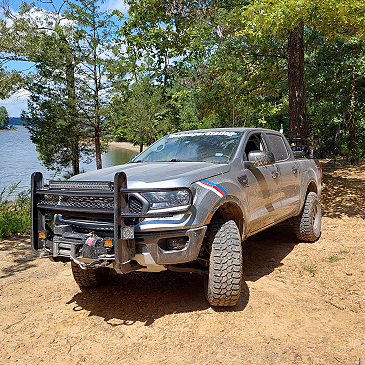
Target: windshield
x: 206, y: 146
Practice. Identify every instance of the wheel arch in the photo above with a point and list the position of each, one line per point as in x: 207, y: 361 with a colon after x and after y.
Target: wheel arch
x: 312, y: 187
x: 230, y: 210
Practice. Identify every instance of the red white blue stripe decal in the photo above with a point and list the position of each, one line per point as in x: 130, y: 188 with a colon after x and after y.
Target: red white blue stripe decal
x: 213, y: 187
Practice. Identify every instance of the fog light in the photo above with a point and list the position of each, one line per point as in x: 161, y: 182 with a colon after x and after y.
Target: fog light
x: 177, y: 243
x: 108, y: 242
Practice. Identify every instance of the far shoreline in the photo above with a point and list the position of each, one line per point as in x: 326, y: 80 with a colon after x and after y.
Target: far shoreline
x: 125, y: 145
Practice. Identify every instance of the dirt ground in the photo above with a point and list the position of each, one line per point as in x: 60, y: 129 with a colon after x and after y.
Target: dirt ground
x: 300, y: 304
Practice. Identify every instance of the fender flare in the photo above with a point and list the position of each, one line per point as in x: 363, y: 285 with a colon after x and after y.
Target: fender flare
x: 223, y: 206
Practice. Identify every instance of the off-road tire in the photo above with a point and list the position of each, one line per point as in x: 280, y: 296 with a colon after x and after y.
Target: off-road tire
x: 89, y: 277
x: 307, y: 225
x: 223, y: 283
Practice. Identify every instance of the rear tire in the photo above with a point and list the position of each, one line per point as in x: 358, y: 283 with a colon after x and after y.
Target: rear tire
x: 223, y: 284
x: 307, y: 225
x: 89, y: 277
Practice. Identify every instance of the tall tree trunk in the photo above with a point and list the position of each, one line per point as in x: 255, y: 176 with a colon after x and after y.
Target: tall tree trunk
x: 72, y: 115
x: 296, y: 84
x: 75, y: 161
x: 141, y: 145
x: 99, y: 164
x: 352, y: 118
x: 98, y: 149
x: 141, y: 140
x: 97, y: 142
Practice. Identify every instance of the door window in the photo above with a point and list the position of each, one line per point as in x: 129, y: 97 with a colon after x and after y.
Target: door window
x: 278, y: 147
x: 254, y: 143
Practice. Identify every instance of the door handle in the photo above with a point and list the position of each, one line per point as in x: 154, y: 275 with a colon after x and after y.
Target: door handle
x: 243, y: 180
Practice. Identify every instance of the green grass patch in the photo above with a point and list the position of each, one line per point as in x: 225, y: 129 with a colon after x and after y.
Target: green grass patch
x: 311, y: 268
x: 14, y: 213
x: 335, y: 258
x: 343, y: 252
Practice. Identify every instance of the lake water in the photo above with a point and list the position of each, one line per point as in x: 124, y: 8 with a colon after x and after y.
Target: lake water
x: 19, y: 159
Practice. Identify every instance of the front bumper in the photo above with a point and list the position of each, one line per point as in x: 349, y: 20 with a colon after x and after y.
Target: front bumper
x: 107, y: 223
x: 150, y: 248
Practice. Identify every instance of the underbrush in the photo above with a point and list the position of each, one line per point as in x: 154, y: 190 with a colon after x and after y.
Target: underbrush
x: 14, y: 212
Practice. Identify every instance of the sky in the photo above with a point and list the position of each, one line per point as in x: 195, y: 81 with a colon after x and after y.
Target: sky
x: 18, y: 102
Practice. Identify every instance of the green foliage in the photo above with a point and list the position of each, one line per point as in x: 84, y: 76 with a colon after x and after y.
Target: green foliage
x: 10, y: 82
x: 220, y: 45
x: 143, y: 113
x: 172, y: 65
x: 4, y: 117
x: 14, y: 215
x: 335, y: 86
x: 66, y: 109
x: 56, y: 135
x: 97, y: 36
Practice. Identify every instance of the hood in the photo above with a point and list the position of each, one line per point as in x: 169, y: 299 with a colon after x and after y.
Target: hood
x: 157, y: 174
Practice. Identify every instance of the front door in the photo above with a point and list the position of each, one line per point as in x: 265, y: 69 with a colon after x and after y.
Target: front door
x: 261, y: 187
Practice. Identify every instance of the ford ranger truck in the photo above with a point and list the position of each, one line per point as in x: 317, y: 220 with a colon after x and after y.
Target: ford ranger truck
x: 185, y: 204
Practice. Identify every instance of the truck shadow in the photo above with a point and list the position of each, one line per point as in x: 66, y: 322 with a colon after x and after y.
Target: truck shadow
x: 145, y: 297
x: 264, y: 251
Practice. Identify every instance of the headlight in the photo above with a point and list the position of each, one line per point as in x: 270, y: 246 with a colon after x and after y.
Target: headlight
x: 174, y: 200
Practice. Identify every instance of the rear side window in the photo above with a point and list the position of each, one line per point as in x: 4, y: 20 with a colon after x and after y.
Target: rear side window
x: 277, y: 147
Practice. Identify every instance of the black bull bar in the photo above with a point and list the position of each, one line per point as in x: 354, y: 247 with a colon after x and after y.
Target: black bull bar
x: 48, y: 199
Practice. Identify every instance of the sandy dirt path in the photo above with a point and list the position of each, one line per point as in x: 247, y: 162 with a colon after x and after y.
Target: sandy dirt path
x: 300, y: 304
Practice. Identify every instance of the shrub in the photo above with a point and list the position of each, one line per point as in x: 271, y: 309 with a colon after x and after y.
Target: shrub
x: 14, y: 214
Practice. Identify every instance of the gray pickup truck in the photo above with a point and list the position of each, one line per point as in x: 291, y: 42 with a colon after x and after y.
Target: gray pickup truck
x: 186, y: 203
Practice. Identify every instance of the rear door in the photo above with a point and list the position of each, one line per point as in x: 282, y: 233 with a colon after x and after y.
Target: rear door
x: 288, y: 174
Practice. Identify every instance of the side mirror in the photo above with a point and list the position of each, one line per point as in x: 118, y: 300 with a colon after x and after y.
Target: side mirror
x: 133, y: 157
x: 259, y: 158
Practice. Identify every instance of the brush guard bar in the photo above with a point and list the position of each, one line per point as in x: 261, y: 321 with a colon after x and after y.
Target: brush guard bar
x: 109, y: 201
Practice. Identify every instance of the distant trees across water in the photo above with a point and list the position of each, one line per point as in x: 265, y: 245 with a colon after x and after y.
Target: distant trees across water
x: 4, y: 118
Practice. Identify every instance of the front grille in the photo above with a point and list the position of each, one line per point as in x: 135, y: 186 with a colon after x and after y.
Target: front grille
x: 134, y: 205
x: 89, y: 202
x: 77, y: 201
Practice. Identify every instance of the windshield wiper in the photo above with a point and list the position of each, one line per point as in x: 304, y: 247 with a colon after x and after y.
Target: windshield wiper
x: 175, y: 160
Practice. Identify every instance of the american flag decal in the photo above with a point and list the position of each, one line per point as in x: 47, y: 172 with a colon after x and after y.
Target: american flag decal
x: 217, y: 189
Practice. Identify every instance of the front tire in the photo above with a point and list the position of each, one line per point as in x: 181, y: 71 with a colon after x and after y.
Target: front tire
x: 89, y: 277
x: 307, y: 225
x: 223, y: 284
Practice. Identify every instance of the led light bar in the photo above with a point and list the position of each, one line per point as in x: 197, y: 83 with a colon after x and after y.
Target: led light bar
x: 90, y: 185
